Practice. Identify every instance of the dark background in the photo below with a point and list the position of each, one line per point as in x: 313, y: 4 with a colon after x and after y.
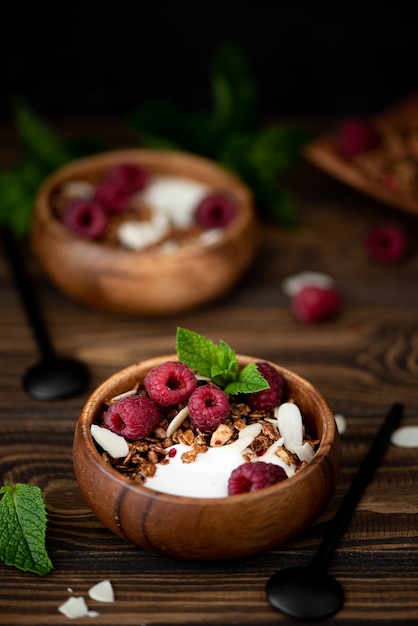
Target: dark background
x: 317, y: 58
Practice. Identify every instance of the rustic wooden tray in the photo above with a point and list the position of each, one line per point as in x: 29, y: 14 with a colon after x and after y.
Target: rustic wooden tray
x: 322, y: 153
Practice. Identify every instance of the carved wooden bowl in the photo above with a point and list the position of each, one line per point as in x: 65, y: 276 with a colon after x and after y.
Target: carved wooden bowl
x: 207, y: 528
x: 145, y: 282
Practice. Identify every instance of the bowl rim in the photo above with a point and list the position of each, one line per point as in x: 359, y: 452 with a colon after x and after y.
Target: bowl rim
x: 329, y: 434
x: 145, y: 157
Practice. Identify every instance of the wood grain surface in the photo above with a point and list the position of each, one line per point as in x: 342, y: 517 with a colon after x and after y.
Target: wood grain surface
x: 361, y: 362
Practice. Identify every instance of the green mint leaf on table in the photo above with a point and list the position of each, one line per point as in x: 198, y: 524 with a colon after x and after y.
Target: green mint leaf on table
x: 23, y: 528
x: 218, y: 363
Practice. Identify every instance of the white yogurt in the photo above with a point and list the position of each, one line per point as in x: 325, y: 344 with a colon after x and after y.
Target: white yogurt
x: 207, y: 476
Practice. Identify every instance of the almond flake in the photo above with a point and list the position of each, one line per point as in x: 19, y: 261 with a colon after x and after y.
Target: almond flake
x: 112, y: 443
x: 251, y: 430
x: 177, y: 421
x: 341, y: 423
x: 305, y: 452
x: 405, y: 437
x: 102, y: 592
x: 294, y: 284
x: 76, y: 607
x: 126, y: 394
x: 290, y: 425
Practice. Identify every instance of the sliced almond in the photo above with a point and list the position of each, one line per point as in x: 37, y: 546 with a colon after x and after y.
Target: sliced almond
x: 293, y: 284
x: 125, y: 394
x: 74, y: 607
x: 405, y: 437
x: 102, y: 592
x: 289, y: 420
x: 341, y: 423
x: 112, y: 443
x: 270, y: 452
x: 305, y: 452
x: 177, y: 421
x: 251, y: 430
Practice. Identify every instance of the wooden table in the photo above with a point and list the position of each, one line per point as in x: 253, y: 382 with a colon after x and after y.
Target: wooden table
x: 362, y: 362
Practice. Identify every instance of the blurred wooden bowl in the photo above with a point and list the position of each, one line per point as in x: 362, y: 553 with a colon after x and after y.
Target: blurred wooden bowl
x: 145, y: 282
x: 207, y: 528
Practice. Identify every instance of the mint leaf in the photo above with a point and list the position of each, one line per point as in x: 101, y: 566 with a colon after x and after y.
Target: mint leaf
x: 218, y: 363
x: 249, y: 381
x: 199, y: 353
x: 39, y: 139
x: 23, y: 528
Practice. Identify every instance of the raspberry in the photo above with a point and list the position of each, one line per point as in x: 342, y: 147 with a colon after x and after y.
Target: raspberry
x: 112, y: 195
x: 215, y: 211
x: 85, y: 217
x: 170, y: 383
x: 267, y: 399
x: 316, y: 304
x: 355, y: 137
x: 133, y: 178
x: 386, y: 243
x: 208, y: 407
x: 253, y: 476
x: 133, y: 417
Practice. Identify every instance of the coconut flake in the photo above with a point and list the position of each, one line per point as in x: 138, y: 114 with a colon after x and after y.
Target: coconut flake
x: 289, y: 420
x: 405, y: 437
x: 176, y: 197
x: 112, y: 443
x: 102, y: 592
x: 293, y: 284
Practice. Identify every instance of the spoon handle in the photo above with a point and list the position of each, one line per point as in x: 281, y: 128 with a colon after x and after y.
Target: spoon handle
x: 357, y: 487
x: 26, y: 292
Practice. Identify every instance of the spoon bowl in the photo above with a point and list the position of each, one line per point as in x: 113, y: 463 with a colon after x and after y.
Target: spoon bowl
x: 55, y: 378
x: 309, y: 592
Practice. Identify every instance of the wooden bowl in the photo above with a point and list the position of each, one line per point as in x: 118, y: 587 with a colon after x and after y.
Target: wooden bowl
x: 207, y: 528
x: 145, y: 282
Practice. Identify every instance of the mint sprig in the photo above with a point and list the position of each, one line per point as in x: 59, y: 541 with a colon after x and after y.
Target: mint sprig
x: 218, y: 363
x: 231, y: 133
x: 23, y: 528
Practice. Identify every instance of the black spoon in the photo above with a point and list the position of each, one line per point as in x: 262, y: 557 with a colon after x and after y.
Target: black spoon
x: 309, y: 593
x: 54, y: 377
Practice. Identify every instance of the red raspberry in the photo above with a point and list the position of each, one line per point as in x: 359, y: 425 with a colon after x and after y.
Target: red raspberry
x: 85, y: 217
x: 253, y: 476
x: 170, y: 383
x: 316, y: 304
x: 133, y: 417
x: 208, y: 407
x: 215, y: 211
x: 133, y: 178
x: 356, y: 136
x: 386, y: 243
x: 112, y: 195
x: 267, y: 399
